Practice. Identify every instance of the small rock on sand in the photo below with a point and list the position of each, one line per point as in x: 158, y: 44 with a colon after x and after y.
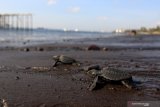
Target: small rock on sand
x: 94, y: 47
x: 26, y: 49
x: 105, y: 49
x: 42, y: 105
x: 3, y: 103
x: 17, y: 77
x: 40, y: 49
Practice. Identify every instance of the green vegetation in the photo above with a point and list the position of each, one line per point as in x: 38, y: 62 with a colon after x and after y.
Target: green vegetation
x: 144, y: 30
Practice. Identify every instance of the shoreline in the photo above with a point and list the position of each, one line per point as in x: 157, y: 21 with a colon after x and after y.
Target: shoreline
x: 122, y: 42
x: 27, y: 78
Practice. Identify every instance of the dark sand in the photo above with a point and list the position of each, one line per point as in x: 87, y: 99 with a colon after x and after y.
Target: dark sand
x: 24, y: 85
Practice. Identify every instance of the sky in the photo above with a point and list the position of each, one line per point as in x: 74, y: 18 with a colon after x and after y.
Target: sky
x: 88, y: 15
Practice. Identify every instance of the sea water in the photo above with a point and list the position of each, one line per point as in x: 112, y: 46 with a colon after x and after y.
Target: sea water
x: 19, y: 38
x: 43, y: 36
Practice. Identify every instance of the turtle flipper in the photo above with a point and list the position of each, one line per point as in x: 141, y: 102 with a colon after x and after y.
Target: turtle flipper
x: 127, y: 83
x: 94, y: 84
x: 55, y: 64
x: 98, y: 83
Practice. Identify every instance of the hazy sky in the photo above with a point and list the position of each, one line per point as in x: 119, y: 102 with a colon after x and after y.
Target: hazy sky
x: 91, y: 15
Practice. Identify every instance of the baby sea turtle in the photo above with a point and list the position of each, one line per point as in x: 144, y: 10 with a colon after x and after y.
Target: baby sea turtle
x: 64, y: 60
x: 112, y: 75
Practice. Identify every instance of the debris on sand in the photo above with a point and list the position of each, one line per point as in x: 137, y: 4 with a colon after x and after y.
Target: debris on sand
x: 39, y: 69
x: 3, y: 103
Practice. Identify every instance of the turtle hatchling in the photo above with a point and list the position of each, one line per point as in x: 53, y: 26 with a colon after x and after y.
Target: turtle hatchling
x: 112, y: 75
x: 64, y: 60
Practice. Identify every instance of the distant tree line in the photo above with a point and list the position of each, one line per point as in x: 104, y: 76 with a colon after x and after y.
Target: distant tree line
x: 155, y: 30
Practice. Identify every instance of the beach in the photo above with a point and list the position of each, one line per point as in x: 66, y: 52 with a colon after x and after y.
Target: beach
x: 27, y: 78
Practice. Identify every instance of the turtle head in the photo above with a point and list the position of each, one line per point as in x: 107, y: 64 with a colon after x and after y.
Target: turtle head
x: 56, y: 58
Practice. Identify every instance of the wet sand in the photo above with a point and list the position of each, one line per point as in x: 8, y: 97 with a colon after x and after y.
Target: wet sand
x: 27, y: 79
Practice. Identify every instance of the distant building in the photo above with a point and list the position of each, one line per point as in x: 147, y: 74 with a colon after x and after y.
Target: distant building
x: 119, y: 31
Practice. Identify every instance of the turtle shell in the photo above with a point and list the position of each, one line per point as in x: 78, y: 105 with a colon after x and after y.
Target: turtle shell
x: 66, y: 59
x: 114, y: 74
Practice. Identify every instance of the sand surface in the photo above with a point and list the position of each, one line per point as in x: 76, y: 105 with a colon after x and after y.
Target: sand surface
x: 27, y: 79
